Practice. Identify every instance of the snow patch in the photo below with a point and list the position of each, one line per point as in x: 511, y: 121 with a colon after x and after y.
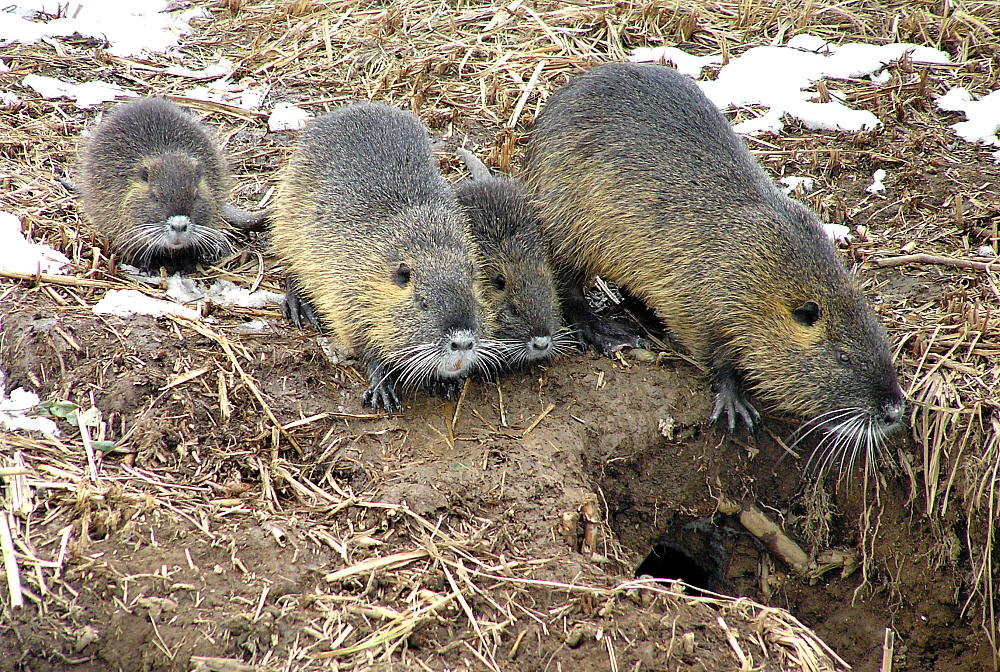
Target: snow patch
x: 684, y: 62
x: 130, y: 302
x: 131, y: 28
x: 793, y: 181
x: 287, y: 117
x: 230, y: 93
x: 982, y: 116
x: 14, y: 409
x: 19, y: 255
x: 838, y: 232
x: 222, y: 293
x: 87, y: 94
x: 776, y: 78
x: 877, y: 186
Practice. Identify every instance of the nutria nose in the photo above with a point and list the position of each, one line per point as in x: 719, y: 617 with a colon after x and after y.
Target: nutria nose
x: 462, y: 340
x: 892, y: 412
x: 541, y: 343
x: 179, y: 223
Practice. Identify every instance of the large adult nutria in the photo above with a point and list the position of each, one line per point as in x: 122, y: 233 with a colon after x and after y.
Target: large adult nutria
x: 518, y: 285
x: 155, y: 184
x: 638, y: 178
x: 378, y: 250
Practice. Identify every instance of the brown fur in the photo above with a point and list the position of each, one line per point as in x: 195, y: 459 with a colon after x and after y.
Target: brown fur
x: 148, y: 164
x: 360, y: 199
x: 639, y: 179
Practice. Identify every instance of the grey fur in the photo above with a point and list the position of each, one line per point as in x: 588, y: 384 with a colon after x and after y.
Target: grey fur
x: 637, y: 177
x: 374, y: 240
x: 148, y: 164
x: 517, y: 279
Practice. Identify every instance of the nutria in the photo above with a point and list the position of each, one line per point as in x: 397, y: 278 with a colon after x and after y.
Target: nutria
x: 154, y: 183
x: 377, y: 248
x: 518, y: 285
x: 638, y: 178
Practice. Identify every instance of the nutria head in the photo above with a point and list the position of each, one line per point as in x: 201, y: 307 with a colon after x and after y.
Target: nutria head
x: 170, y: 216
x: 421, y: 313
x: 518, y: 285
x: 811, y: 345
x: 154, y: 182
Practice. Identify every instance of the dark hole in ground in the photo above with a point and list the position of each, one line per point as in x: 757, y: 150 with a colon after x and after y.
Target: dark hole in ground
x: 670, y: 561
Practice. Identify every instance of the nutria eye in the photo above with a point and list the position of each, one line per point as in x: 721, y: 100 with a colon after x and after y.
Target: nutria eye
x: 843, y: 357
x: 514, y: 312
x: 402, y: 275
x: 807, y: 314
x: 499, y: 281
x: 422, y: 302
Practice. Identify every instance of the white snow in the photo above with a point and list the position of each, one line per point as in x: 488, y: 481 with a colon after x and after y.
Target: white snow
x: 180, y: 292
x: 86, y: 94
x: 776, y: 78
x: 129, y: 302
x: 9, y: 99
x: 19, y: 255
x: 222, y: 293
x: 838, y: 232
x: 684, y: 62
x: 287, y: 117
x: 986, y: 251
x: 14, y: 408
x: 131, y: 28
x: 254, y: 327
x: 982, y: 116
x: 793, y: 181
x: 877, y: 186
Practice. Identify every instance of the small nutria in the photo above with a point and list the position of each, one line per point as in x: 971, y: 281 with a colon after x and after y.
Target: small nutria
x: 638, y: 178
x: 518, y: 285
x: 377, y: 248
x: 153, y: 182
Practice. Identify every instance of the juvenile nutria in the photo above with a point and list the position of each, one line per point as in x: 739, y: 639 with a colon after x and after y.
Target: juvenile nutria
x: 518, y: 285
x: 375, y: 243
x: 154, y: 183
x: 638, y: 178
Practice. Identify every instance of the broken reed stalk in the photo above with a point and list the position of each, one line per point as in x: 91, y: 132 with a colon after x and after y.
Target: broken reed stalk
x: 11, y: 571
x: 889, y: 262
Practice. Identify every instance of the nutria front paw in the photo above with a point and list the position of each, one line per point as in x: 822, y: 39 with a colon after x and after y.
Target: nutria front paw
x: 449, y: 388
x: 299, y: 310
x: 382, y: 395
x: 732, y: 403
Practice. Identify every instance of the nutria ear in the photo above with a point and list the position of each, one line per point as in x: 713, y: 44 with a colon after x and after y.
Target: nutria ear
x: 402, y: 274
x: 144, y: 173
x: 807, y: 314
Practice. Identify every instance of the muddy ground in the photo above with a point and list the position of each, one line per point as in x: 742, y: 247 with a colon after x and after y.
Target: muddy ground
x: 236, y: 567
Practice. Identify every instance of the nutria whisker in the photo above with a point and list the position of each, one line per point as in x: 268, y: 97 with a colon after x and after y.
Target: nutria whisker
x: 813, y: 424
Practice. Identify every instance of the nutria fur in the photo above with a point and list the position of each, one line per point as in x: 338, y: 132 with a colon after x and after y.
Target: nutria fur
x: 518, y: 285
x: 154, y: 183
x: 638, y: 178
x: 375, y: 243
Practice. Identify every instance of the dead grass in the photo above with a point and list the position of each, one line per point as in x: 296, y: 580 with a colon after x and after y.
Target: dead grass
x: 481, y: 73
